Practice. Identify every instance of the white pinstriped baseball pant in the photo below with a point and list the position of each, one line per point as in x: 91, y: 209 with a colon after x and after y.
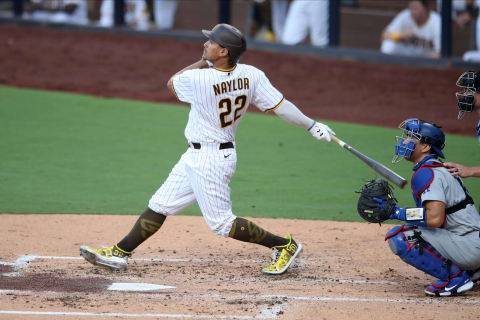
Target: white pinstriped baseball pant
x: 201, y: 175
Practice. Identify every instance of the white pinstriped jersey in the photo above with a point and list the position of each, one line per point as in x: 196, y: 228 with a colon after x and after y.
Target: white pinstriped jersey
x: 219, y: 98
x: 428, y: 34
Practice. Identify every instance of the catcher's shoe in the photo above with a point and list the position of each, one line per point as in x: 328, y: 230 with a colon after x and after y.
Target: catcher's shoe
x: 112, y: 258
x: 453, y: 286
x: 283, y: 256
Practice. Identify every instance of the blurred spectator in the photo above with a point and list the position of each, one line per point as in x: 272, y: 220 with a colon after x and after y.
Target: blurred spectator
x: 164, y: 13
x: 306, y: 17
x: 465, y: 13
x: 93, y: 8
x: 415, y: 31
x: 279, y: 10
x: 261, y: 21
x: 136, y: 14
x: 58, y: 11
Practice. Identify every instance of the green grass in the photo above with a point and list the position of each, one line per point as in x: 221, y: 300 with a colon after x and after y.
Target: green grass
x: 67, y: 153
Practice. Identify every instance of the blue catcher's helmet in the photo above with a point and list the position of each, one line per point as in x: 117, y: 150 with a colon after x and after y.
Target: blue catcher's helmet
x: 422, y: 131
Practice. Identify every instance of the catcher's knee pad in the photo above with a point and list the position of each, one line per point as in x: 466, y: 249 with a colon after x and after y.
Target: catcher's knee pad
x: 407, y: 243
x: 397, y: 241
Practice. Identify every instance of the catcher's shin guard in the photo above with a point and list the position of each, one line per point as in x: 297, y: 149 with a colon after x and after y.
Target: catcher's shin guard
x: 406, y: 242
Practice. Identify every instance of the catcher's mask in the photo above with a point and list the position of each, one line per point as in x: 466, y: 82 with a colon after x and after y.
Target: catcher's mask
x: 228, y: 37
x: 421, y: 131
x: 470, y: 82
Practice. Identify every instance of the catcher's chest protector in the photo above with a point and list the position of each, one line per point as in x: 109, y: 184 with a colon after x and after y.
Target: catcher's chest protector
x: 421, y: 179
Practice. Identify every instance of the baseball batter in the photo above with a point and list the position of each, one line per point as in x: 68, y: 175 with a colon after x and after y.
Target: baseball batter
x: 442, y: 235
x: 219, y: 91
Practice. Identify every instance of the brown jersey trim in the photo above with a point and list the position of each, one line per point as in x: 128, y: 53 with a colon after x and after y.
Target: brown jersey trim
x: 226, y: 70
x: 174, y: 92
x: 278, y: 105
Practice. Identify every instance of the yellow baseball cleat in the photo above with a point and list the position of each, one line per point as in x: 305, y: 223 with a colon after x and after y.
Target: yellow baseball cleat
x: 283, y: 256
x: 112, y: 258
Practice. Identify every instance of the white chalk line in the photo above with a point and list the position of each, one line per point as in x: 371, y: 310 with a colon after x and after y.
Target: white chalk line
x: 456, y: 300
x: 340, y: 281
x: 34, y: 257
x: 453, y: 300
x: 459, y: 300
x: 28, y: 292
x: 19, y: 264
x: 266, y: 314
x: 24, y: 260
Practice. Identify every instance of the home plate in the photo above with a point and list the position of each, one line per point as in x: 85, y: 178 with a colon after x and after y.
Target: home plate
x: 130, y: 286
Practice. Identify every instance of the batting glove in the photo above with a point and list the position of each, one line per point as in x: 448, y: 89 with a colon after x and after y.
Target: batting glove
x: 321, y: 131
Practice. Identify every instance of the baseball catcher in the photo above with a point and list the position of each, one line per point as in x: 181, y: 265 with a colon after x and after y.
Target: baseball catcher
x: 441, y: 234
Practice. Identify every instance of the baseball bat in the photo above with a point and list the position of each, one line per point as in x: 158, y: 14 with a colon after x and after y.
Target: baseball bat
x: 375, y: 165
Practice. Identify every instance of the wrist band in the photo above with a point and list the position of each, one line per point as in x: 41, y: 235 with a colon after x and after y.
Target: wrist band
x: 314, y: 121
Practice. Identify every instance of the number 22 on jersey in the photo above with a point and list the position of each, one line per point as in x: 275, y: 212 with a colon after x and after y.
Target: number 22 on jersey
x: 226, y: 106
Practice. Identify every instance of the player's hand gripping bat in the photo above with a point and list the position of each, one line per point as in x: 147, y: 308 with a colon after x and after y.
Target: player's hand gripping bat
x: 375, y: 165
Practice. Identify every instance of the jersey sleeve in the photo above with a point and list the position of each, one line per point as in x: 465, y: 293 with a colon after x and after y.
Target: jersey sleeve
x: 436, y: 190
x: 397, y: 23
x: 266, y: 97
x: 182, y: 86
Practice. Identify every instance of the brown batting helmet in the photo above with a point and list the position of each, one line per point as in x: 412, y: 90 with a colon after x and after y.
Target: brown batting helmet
x: 228, y: 37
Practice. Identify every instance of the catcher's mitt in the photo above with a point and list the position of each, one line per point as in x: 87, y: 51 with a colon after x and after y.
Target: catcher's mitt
x: 376, y: 210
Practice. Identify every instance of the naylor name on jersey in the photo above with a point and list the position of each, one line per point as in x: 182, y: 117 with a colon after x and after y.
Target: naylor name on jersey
x: 231, y: 85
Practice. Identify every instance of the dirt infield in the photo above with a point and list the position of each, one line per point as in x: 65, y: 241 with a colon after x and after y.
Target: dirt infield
x: 42, y: 276
x: 346, y: 270
x: 138, y: 67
